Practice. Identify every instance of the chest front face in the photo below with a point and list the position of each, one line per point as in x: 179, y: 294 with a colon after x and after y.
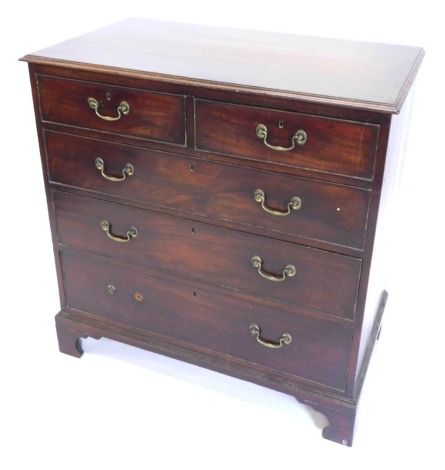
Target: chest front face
x: 216, y: 215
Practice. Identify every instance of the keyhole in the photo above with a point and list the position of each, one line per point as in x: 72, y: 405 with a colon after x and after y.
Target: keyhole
x: 108, y: 96
x: 192, y: 167
x: 192, y: 231
x: 281, y: 124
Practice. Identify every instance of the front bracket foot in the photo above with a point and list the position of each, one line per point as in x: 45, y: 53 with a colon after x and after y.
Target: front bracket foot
x: 70, y: 332
x: 69, y: 337
x: 340, y: 428
x: 341, y: 423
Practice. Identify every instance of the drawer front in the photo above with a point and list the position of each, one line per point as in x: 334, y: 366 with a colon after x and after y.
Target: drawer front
x: 328, y: 212
x: 310, y: 278
x: 154, y: 116
x: 318, y: 351
x: 332, y: 145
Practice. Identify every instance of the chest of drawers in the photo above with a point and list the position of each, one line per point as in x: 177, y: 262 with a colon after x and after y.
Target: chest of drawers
x: 222, y: 197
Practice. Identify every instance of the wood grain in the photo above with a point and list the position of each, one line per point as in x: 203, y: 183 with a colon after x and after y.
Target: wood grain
x: 319, y: 350
x: 185, y: 286
x: 153, y: 116
x: 331, y: 213
x: 211, y: 254
x: 333, y: 146
x: 356, y: 74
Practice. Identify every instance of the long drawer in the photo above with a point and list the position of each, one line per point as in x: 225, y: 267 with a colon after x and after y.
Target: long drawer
x: 113, y: 109
x: 285, y: 272
x: 318, y: 351
x: 328, y: 212
x: 286, y: 138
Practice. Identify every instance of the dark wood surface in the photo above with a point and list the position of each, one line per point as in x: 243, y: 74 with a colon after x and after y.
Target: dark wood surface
x: 154, y: 116
x: 185, y: 286
x: 356, y: 74
x: 319, y: 350
x: 211, y: 254
x: 333, y: 146
x: 332, y: 213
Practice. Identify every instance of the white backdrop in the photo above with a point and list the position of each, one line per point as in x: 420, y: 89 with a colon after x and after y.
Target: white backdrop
x: 121, y: 408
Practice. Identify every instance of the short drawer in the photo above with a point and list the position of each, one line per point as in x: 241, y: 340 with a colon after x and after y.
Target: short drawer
x: 318, y: 350
x: 286, y: 138
x: 328, y: 212
x: 284, y: 272
x: 113, y: 109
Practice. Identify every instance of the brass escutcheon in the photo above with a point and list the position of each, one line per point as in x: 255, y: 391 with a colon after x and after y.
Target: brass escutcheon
x: 111, y: 289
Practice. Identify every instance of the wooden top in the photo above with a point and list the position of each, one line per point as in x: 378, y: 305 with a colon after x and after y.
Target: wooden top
x: 349, y: 73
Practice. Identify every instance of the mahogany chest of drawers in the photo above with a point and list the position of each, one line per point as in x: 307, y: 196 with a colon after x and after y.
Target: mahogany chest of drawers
x: 222, y: 197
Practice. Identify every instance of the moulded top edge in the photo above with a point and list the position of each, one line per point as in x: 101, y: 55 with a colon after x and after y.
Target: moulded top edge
x: 371, y: 76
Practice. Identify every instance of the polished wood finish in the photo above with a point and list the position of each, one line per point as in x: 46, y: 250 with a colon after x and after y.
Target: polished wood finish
x: 220, y: 322
x: 185, y: 286
x: 333, y: 146
x: 345, y: 73
x: 153, y: 116
x: 332, y: 213
x: 210, y: 254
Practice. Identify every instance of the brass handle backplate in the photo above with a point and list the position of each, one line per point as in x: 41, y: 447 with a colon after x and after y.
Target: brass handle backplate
x: 128, y: 170
x: 285, y: 338
x: 288, y: 271
x: 293, y: 204
x: 122, y: 109
x: 300, y: 137
x: 131, y: 232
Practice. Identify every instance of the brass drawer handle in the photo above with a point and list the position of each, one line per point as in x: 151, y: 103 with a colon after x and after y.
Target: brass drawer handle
x: 123, y: 108
x: 293, y: 205
x: 131, y: 233
x: 285, y: 338
x: 300, y: 137
x: 289, y: 270
x: 128, y: 170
